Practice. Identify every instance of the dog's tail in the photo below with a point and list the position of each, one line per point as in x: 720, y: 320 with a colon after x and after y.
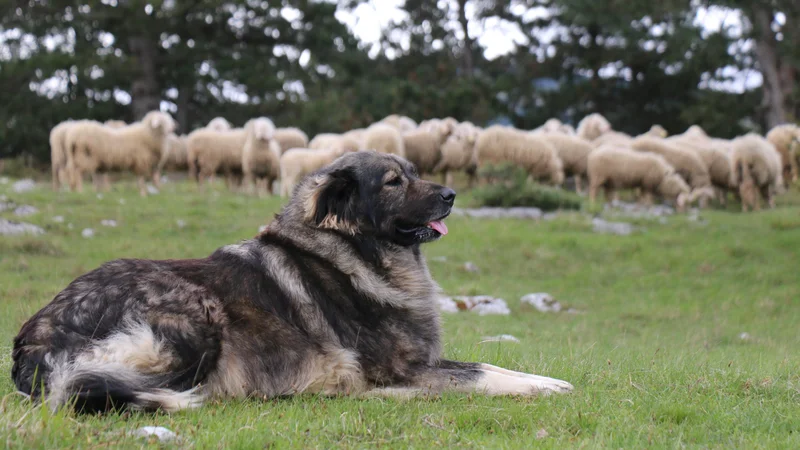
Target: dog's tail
x: 128, y: 370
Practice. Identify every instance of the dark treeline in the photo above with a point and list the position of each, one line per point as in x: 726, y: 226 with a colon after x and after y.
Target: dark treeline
x: 637, y: 62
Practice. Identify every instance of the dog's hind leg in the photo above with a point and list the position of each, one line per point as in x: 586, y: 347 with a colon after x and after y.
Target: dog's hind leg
x: 454, y: 376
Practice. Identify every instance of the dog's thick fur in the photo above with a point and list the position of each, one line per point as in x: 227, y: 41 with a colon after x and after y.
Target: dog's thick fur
x: 334, y: 297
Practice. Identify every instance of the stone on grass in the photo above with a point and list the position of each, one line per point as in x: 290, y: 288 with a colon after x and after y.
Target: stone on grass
x: 180, y: 223
x: 58, y: 219
x: 481, y: 304
x: 500, y: 338
x: 606, y: 227
x: 152, y: 190
x: 499, y: 213
x: 541, y: 301
x: 6, y: 205
x: 470, y: 267
x: 163, y: 434
x: 24, y: 185
x: 108, y: 223
x: 87, y: 233
x: 9, y: 228
x: 25, y: 210
x: 744, y: 336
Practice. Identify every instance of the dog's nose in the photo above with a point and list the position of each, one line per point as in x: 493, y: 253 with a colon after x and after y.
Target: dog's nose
x: 448, y: 195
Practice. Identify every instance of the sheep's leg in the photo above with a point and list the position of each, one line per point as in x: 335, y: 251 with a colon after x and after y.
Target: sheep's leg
x: 609, y: 193
x: 56, y: 176
x: 268, y: 187
x: 592, y: 193
x: 157, y: 179
x: 448, y: 178
x: 766, y: 194
x: 646, y: 198
x: 250, y: 183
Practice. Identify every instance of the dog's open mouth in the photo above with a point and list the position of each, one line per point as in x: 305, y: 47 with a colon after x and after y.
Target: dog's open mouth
x: 429, y: 231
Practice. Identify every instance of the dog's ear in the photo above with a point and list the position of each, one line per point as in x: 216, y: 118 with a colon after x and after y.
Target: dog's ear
x: 333, y: 203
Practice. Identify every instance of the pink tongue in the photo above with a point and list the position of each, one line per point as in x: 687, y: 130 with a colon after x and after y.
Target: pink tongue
x: 439, y: 226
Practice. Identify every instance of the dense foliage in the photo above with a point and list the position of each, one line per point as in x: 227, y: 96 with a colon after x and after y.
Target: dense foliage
x: 637, y: 62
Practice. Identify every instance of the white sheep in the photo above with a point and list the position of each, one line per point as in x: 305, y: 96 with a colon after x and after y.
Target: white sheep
x: 332, y: 141
x: 210, y: 151
x: 613, y: 168
x: 290, y: 138
x: 383, y: 139
x: 423, y: 147
x: 687, y: 163
x: 757, y: 170
x: 175, y: 154
x: 573, y: 152
x: 136, y: 147
x: 401, y: 123
x: 59, y: 156
x: 593, y: 126
x: 499, y: 144
x: 459, y: 154
x: 260, y: 155
x: 784, y: 138
x: 296, y: 163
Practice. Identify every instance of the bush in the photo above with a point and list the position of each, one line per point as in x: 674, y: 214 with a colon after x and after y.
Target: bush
x: 510, y: 188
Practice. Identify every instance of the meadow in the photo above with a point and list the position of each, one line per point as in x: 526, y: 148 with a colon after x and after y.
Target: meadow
x: 687, y: 334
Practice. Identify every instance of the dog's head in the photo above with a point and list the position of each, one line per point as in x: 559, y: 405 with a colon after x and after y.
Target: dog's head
x: 370, y: 194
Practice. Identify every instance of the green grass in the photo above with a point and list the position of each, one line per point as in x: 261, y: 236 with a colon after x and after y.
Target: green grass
x: 656, y: 357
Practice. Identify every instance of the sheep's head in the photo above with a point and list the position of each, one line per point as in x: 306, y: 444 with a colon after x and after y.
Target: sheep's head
x: 673, y: 186
x: 219, y: 124
x: 160, y: 122
x: 658, y: 130
x: 262, y: 128
x: 706, y: 192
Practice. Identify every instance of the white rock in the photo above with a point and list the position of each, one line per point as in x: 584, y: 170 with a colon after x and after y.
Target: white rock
x: 108, y: 223
x: 25, y: 210
x: 180, y: 223
x: 122, y: 201
x: 542, y: 301
x: 24, y: 185
x: 99, y: 196
x: 497, y: 307
x: 6, y: 205
x: 446, y: 304
x: 8, y: 228
x: 618, y: 228
x: 87, y: 233
x: 499, y: 213
x: 744, y: 336
x: 163, y: 434
x: 58, y: 219
x: 470, y: 267
x: 500, y: 338
x: 152, y: 190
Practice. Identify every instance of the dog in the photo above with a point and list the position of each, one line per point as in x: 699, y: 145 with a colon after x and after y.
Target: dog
x: 334, y: 297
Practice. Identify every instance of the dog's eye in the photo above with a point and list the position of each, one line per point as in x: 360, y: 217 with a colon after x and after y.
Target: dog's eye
x: 396, y: 181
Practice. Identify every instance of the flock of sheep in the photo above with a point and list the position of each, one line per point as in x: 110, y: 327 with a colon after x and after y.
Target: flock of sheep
x: 682, y: 169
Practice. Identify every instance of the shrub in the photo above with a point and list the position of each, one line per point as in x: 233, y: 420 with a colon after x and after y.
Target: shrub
x: 509, y: 188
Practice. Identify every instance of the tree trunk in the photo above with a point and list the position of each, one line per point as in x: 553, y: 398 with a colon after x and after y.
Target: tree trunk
x: 767, y: 54
x: 183, y: 117
x: 145, y: 93
x: 468, y: 44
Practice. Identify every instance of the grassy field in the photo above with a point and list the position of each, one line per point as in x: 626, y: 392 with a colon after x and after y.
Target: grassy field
x: 688, y: 337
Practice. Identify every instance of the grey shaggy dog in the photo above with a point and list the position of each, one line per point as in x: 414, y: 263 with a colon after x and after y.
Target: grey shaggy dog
x: 334, y: 297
